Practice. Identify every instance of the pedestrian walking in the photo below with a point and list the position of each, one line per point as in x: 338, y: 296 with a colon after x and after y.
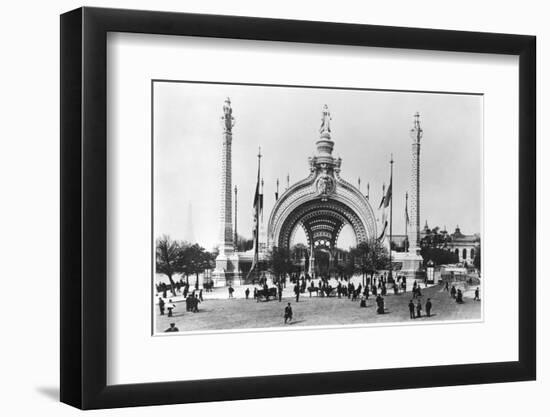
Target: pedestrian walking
x: 161, y: 306
x: 247, y: 293
x: 428, y: 307
x: 297, y: 292
x: 231, y: 290
x: 200, y: 296
x: 411, y: 309
x: 476, y: 297
x: 288, y: 313
x: 418, y: 309
x: 196, y: 302
x: 459, y: 299
x: 380, y: 304
x: 453, y: 292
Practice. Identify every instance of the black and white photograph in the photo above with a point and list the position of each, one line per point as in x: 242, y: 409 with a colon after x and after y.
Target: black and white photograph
x: 279, y: 207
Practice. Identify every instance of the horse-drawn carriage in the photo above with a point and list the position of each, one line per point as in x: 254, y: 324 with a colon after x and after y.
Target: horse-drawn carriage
x: 324, y: 291
x: 266, y: 293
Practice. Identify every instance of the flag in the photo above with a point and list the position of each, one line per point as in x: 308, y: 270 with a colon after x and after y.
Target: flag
x: 387, y: 197
x: 384, y: 204
x: 383, y: 230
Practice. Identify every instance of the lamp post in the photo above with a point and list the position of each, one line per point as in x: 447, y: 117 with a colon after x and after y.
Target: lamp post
x: 430, y: 272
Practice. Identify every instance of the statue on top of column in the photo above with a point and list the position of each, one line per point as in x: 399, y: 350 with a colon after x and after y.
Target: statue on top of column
x: 227, y: 118
x: 416, y: 131
x: 325, y: 120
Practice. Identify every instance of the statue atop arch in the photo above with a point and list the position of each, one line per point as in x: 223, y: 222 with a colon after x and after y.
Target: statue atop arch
x: 325, y: 121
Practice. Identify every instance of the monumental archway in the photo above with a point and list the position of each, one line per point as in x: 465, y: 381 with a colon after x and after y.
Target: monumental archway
x: 322, y: 203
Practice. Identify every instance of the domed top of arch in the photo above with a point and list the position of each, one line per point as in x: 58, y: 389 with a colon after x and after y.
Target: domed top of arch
x: 323, y: 202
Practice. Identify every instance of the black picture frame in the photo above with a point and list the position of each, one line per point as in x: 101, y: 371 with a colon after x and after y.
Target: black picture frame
x: 84, y: 207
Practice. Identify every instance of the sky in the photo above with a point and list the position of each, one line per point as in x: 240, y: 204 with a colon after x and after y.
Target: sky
x: 367, y: 127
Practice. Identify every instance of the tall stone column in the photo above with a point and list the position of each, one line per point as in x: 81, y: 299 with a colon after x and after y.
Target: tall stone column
x: 227, y: 265
x: 414, y: 229
x: 412, y: 260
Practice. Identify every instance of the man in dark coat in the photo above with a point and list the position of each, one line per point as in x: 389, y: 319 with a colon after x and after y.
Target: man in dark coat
x: 297, y: 292
x: 161, y: 306
x: 280, y: 292
x: 380, y: 304
x: 172, y: 328
x: 411, y: 309
x: 453, y: 292
x: 476, y: 297
x: 428, y: 307
x: 288, y: 313
x: 247, y: 292
x: 459, y: 297
x: 418, y: 309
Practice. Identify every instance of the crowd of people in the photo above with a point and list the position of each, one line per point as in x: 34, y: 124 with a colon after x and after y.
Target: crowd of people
x: 377, y: 286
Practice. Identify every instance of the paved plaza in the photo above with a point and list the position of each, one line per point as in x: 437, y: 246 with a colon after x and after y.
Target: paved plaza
x: 218, y: 312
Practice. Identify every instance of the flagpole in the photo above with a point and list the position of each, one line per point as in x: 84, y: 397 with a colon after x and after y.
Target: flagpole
x: 256, y: 249
x: 391, y: 212
x: 254, y: 267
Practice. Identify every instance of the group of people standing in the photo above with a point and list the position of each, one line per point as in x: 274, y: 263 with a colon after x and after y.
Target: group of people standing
x: 457, y: 295
x: 192, y: 302
x: 416, y: 311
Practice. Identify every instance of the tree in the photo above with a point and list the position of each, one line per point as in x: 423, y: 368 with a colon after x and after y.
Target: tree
x: 195, y: 260
x: 435, y: 239
x: 169, y: 259
x: 438, y: 256
x: 369, y: 257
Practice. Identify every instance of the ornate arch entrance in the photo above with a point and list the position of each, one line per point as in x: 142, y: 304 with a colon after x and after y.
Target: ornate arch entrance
x: 321, y: 204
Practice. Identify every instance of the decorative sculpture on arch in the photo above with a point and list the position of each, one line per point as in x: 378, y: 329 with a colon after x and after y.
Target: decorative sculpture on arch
x: 325, y: 121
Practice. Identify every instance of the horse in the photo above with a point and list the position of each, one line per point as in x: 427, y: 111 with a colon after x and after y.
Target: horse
x: 313, y: 289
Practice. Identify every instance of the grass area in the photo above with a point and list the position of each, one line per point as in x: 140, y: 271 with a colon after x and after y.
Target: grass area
x: 221, y: 314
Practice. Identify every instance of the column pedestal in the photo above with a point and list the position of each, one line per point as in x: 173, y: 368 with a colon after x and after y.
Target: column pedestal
x: 411, y: 264
x: 227, y: 271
